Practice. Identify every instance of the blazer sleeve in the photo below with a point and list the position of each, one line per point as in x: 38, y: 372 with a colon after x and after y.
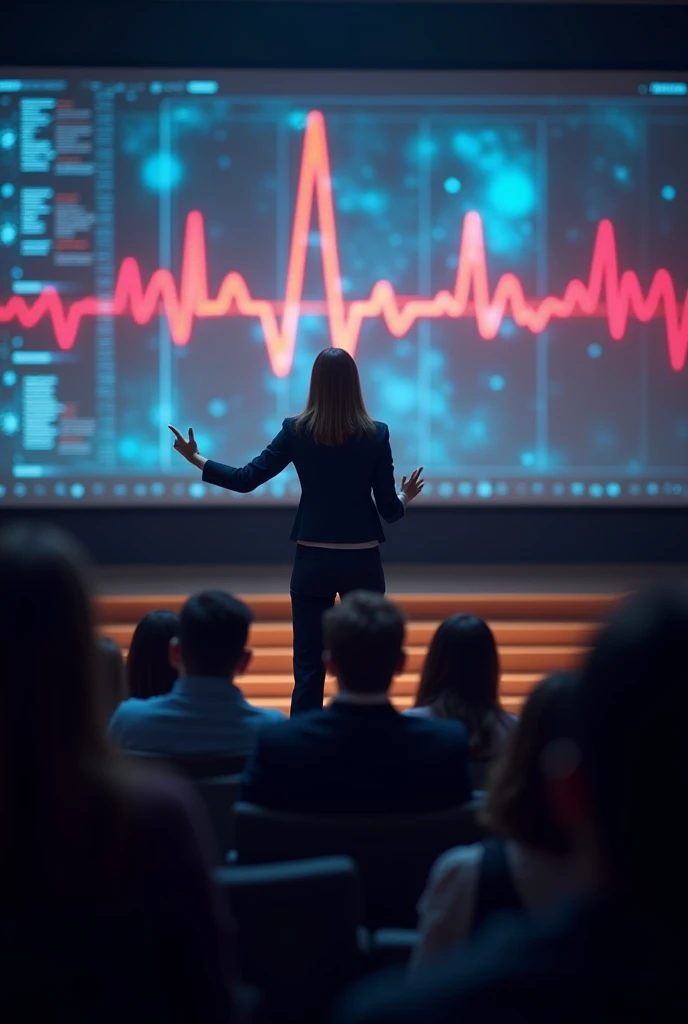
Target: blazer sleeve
x: 271, y: 461
x: 388, y: 503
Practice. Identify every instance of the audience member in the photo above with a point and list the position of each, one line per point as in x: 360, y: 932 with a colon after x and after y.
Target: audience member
x: 111, y: 673
x: 205, y: 712
x: 529, y: 862
x: 358, y: 755
x: 149, y: 669
x: 617, y: 953
x: 460, y: 680
x: 106, y: 910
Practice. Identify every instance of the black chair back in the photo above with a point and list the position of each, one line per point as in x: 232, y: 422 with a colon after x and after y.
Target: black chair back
x: 219, y: 796
x: 193, y: 766
x: 298, y: 929
x: 394, y: 853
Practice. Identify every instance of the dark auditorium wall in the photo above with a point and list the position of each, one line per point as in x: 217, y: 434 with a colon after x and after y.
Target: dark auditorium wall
x: 256, y: 34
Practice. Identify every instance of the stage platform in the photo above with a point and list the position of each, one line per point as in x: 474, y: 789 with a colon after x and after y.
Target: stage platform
x: 544, y: 618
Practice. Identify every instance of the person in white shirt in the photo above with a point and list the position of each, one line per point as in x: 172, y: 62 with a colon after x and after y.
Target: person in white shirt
x: 532, y: 861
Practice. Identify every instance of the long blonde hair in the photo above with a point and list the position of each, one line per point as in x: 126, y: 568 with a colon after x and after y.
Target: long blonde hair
x: 335, y: 410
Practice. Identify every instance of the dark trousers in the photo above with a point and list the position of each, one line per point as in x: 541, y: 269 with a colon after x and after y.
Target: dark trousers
x: 319, y: 574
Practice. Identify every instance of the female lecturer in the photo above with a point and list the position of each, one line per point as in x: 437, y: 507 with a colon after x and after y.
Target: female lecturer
x: 341, y: 455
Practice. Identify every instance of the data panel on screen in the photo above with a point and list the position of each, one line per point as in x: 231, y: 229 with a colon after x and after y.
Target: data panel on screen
x: 504, y: 254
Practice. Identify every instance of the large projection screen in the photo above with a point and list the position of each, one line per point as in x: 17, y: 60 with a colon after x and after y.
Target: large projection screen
x: 504, y: 253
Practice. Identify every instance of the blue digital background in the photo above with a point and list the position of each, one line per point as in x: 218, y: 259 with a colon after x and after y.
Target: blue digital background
x: 566, y: 415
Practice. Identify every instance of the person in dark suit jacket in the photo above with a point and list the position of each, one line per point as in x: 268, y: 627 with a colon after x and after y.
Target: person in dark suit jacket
x: 359, y: 755
x: 343, y: 460
x: 616, y: 953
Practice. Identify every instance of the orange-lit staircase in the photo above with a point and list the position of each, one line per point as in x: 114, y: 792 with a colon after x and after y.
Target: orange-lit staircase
x: 536, y: 633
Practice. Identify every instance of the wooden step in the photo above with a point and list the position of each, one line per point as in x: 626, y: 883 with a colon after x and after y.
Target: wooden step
x: 425, y: 607
x: 513, y: 658
x: 279, y: 634
x: 269, y: 685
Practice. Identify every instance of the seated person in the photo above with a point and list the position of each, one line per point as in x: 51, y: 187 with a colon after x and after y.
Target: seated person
x: 205, y: 712
x: 460, y: 680
x: 530, y: 862
x: 110, y: 665
x: 359, y: 755
x: 149, y: 669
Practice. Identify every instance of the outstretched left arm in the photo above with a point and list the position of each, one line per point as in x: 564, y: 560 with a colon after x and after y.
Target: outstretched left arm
x: 271, y: 461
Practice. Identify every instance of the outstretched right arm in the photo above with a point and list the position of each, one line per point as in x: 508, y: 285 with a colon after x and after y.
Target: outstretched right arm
x: 271, y: 461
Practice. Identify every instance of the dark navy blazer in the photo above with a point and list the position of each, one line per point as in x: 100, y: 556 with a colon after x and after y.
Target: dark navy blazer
x: 338, y: 483
x: 358, y: 759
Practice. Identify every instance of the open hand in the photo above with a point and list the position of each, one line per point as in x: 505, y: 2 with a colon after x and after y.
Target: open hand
x: 187, y: 448
x: 412, y: 486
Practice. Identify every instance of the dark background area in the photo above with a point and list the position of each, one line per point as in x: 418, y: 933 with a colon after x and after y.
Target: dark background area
x: 255, y: 34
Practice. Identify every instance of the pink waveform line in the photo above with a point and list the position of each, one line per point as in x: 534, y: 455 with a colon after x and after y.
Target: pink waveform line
x: 279, y: 320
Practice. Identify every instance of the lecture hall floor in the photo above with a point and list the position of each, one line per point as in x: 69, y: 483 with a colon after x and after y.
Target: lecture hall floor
x: 544, y: 617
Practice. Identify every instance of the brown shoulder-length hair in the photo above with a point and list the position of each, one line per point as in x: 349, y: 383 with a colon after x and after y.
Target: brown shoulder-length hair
x: 517, y: 806
x: 460, y: 679
x: 335, y: 410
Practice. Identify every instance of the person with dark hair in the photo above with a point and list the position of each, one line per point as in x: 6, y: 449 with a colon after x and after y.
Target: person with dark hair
x: 615, y: 952
x: 359, y: 755
x: 460, y: 680
x: 106, y: 908
x: 528, y: 862
x: 111, y: 673
x: 149, y: 669
x: 343, y: 460
x: 205, y: 712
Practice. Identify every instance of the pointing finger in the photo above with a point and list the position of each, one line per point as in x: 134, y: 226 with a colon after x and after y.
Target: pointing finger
x: 191, y: 434
x: 175, y: 432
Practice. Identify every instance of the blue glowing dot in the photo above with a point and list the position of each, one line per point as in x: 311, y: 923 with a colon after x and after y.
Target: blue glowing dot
x: 558, y: 489
x: 16, y: 273
x: 162, y: 172
x: 439, y: 234
x: 77, y: 490
x: 445, y: 489
x: 399, y: 395
x: 224, y: 162
x: 496, y: 382
x: 9, y: 423
x: 98, y: 489
x: 501, y: 488
x: 452, y: 186
x: 157, y: 489
x: 484, y: 489
x: 9, y: 378
x: 677, y: 489
x: 595, y: 351
x: 634, y: 489
x: 668, y: 193
x: 621, y: 173
x: 140, y: 490
x: 297, y: 120
x: 197, y: 490
x: 7, y: 190
x: 129, y: 448
x: 652, y: 488
x: 155, y: 88
x: 7, y: 138
x: 596, y: 490
x: 465, y: 489
x: 217, y: 407
x: 613, y: 490
x: 20, y: 490
x: 537, y: 488
x: 17, y: 341
x: 466, y: 146
x: 527, y: 459
x: 512, y: 193
x: 426, y: 147
x: 119, y: 490
x: 8, y: 234
x: 60, y: 490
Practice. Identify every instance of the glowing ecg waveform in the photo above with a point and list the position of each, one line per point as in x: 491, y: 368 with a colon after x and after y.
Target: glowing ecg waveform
x: 279, y: 320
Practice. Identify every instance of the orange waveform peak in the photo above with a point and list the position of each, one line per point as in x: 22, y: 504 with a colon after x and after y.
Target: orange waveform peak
x: 619, y: 294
